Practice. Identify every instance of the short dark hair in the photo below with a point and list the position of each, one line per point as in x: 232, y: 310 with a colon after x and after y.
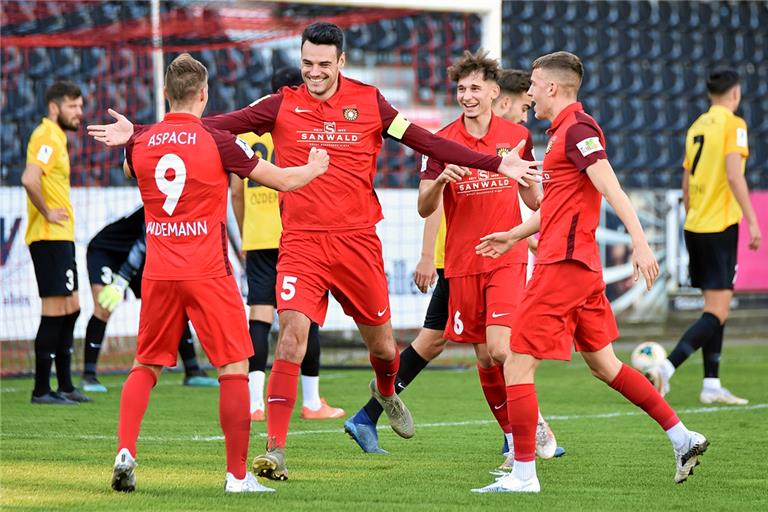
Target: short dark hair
x: 184, y: 77
x: 475, y: 62
x: 286, y: 77
x: 514, y: 81
x: 323, y: 32
x: 564, y: 61
x: 721, y: 80
x: 61, y: 89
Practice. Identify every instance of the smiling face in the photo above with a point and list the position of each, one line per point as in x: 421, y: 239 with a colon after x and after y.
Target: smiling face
x: 475, y: 94
x: 320, y: 66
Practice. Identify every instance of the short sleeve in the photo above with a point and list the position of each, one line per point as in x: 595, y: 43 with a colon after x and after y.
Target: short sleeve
x: 42, y: 152
x: 736, y: 140
x: 237, y: 156
x: 583, y: 145
x: 137, y: 131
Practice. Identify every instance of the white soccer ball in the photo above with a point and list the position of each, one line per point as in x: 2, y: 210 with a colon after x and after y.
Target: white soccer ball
x: 647, y: 354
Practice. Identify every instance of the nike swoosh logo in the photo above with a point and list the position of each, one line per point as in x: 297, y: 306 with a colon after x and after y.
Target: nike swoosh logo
x: 299, y: 110
x: 400, y: 385
x: 381, y: 313
x: 390, y: 374
x: 272, y: 399
x: 497, y: 407
x: 498, y: 315
x: 94, y: 345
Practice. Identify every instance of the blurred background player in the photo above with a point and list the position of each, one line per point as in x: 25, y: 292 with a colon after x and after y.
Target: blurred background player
x: 50, y: 236
x: 181, y: 167
x: 115, y: 259
x: 565, y: 306
x: 512, y: 103
x: 715, y: 196
x: 258, y: 216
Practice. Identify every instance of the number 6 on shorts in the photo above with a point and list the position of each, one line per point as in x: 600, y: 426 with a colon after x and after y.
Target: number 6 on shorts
x: 289, y: 290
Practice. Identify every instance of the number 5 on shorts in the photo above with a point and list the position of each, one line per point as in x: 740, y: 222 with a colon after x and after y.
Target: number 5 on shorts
x: 289, y: 290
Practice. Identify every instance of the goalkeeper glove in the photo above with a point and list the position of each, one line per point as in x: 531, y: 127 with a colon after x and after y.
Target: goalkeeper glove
x: 112, y: 295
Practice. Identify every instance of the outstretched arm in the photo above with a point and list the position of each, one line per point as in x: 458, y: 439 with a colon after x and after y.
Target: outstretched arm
x: 290, y: 178
x: 496, y: 244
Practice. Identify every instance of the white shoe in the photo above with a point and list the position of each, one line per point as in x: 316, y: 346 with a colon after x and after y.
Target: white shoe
x: 508, y: 483
x: 657, y: 377
x: 721, y: 396
x: 546, y: 444
x: 687, y: 458
x: 247, y: 484
x: 123, y: 476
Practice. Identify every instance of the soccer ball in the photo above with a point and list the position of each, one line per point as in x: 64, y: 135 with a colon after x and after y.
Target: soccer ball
x: 647, y: 354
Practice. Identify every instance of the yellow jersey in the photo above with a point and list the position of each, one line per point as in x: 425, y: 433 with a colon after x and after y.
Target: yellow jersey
x: 712, y: 206
x: 47, y: 149
x: 440, y: 245
x: 261, y: 219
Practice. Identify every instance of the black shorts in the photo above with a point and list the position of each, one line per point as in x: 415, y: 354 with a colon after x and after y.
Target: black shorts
x: 437, y: 312
x: 712, y: 258
x: 261, y: 270
x: 103, y: 264
x: 55, y: 267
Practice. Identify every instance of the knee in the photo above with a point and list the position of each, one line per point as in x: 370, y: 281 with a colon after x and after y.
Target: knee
x: 606, y: 373
x: 384, y: 350
x: 498, y: 355
x: 291, y: 346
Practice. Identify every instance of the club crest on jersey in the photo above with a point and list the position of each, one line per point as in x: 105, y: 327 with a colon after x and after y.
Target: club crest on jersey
x: 550, y: 144
x: 351, y: 113
x: 503, y: 150
x: 329, y: 126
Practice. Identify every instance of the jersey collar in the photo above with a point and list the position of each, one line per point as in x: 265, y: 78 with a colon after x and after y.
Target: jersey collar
x: 333, y: 101
x: 469, y: 136
x: 720, y: 108
x: 570, y: 109
x: 181, y: 117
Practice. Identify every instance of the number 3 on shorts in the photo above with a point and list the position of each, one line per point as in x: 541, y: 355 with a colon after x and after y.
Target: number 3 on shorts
x: 289, y: 290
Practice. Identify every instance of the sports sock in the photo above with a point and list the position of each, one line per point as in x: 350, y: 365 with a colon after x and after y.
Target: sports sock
x: 524, y: 470
x: 64, y: 350
x: 188, y: 355
x: 259, y: 332
x: 638, y: 390
x: 710, y: 351
x: 310, y: 392
x: 711, y: 384
x: 411, y: 364
x: 523, y: 411
x: 94, y: 337
x: 281, y: 396
x: 495, y: 391
x: 678, y: 435
x: 46, y: 342
x: 256, y: 389
x: 697, y: 335
x: 133, y: 404
x: 386, y: 373
x: 310, y: 366
x: 235, y: 421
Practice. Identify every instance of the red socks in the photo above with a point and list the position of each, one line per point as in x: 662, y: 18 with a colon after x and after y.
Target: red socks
x: 235, y: 421
x: 494, y: 389
x: 386, y: 373
x: 636, y: 388
x: 281, y: 396
x: 523, y: 410
x: 133, y: 404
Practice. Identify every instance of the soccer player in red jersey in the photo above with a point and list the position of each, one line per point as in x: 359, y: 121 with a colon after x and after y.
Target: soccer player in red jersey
x: 182, y: 171
x: 565, y: 302
x: 329, y: 240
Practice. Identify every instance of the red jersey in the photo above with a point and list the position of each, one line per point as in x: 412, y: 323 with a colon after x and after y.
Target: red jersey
x: 181, y: 167
x: 570, y: 210
x: 483, y: 202
x: 350, y: 126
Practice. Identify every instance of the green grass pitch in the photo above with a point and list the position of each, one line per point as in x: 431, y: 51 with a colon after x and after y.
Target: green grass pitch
x: 60, y: 458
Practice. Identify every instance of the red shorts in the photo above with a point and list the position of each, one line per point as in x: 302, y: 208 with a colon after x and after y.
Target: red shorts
x: 481, y: 300
x: 564, y: 305
x: 349, y: 264
x: 215, y: 308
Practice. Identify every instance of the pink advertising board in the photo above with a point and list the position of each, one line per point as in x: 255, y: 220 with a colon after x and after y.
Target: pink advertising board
x: 752, y: 273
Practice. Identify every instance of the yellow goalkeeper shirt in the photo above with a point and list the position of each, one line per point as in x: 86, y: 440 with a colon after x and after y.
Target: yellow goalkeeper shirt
x: 261, y: 218
x: 712, y: 206
x: 47, y: 149
x: 440, y: 245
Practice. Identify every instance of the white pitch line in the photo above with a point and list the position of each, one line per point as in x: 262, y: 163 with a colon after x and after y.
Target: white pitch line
x: 96, y: 437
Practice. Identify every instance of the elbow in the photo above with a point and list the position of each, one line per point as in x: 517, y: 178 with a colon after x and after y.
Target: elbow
x: 425, y: 211
x: 26, y: 180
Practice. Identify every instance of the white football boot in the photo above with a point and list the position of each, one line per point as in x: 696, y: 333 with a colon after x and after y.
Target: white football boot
x: 123, y: 476
x: 688, y: 457
x: 510, y: 483
x: 721, y: 396
x: 247, y: 484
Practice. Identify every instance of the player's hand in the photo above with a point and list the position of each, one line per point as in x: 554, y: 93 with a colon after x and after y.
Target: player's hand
x: 644, y: 263
x: 318, y: 160
x: 452, y: 173
x: 425, y: 274
x: 496, y: 244
x: 533, y: 245
x: 112, y: 295
x: 57, y: 215
x: 518, y: 169
x: 755, y: 236
x: 115, y: 134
